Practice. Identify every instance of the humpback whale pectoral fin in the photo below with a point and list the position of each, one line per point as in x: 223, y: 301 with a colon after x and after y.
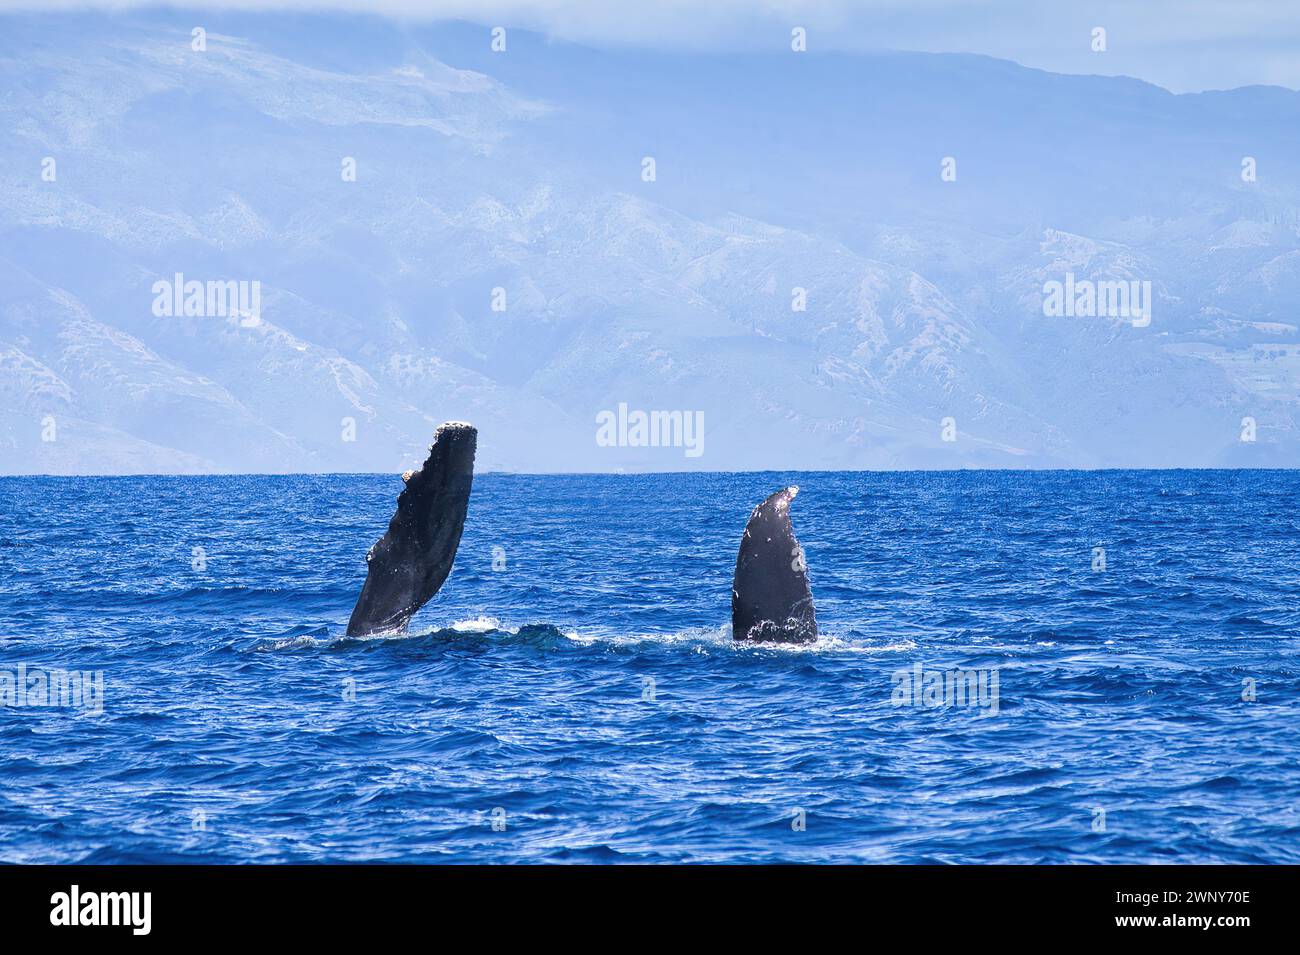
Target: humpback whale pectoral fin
x: 770, y: 596
x: 408, y: 565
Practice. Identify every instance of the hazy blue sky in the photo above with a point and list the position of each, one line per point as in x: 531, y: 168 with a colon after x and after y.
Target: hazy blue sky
x: 1183, y: 45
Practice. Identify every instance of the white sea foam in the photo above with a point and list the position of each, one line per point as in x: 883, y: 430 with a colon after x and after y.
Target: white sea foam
x: 479, y: 624
x: 719, y: 638
x: 701, y: 639
x: 290, y: 643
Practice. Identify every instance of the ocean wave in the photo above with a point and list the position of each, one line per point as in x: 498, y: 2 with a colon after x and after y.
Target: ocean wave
x: 592, y: 691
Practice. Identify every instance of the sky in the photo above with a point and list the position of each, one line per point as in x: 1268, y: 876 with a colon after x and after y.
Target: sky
x: 1182, y: 45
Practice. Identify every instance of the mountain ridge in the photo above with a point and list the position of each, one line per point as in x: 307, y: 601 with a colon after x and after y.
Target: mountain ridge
x: 922, y: 298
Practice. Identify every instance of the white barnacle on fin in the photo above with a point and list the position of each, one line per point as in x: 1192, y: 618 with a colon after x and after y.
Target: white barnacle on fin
x: 406, y: 476
x: 450, y: 426
x: 782, y: 504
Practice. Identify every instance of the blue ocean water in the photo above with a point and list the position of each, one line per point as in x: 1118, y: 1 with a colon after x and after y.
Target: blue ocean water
x: 586, y: 697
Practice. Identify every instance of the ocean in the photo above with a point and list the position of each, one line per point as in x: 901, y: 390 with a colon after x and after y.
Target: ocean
x: 573, y: 694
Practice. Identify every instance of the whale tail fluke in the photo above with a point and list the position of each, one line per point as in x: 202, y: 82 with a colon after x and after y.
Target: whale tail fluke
x: 770, y: 596
x: 408, y: 565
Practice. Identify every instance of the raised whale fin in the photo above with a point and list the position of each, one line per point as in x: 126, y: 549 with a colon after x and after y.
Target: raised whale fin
x: 770, y: 596
x: 408, y: 565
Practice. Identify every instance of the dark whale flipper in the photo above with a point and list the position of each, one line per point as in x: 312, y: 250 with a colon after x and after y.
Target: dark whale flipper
x: 770, y: 596
x: 410, y: 562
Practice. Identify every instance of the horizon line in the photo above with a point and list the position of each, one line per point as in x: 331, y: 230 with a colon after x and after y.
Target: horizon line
x: 398, y: 474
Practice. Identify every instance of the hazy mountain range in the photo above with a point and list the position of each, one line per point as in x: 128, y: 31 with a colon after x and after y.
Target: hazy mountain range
x: 516, y: 177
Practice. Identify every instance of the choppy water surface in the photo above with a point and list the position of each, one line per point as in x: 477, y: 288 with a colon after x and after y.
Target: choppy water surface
x: 588, y: 695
